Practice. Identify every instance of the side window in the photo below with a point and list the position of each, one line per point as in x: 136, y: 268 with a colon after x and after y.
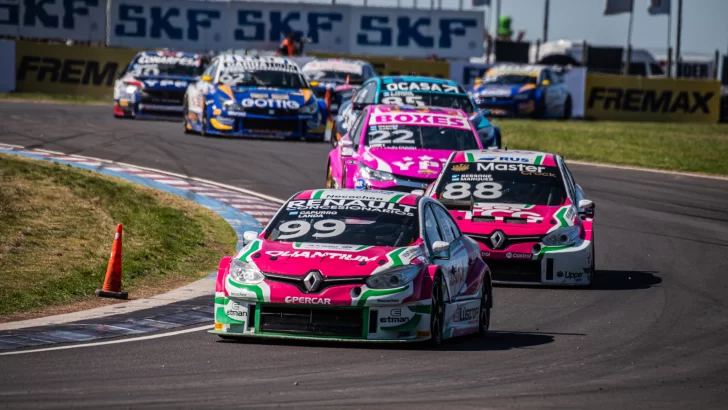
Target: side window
x: 448, y: 228
x: 355, y: 133
x: 211, y: 69
x: 362, y: 93
x: 371, y: 92
x: 431, y: 230
x: 568, y: 180
x: 577, y: 194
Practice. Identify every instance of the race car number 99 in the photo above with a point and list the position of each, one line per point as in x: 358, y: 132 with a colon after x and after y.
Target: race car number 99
x: 415, y: 100
x: 461, y: 190
x: 326, y: 228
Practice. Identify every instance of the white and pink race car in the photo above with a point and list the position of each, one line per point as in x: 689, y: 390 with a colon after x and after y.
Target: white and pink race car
x: 532, y: 221
x: 355, y: 265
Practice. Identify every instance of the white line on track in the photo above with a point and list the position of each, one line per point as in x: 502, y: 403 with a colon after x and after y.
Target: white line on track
x: 111, y: 342
x: 654, y: 171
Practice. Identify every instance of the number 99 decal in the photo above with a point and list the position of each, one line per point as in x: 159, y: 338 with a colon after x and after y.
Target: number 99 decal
x: 326, y: 228
x: 461, y: 190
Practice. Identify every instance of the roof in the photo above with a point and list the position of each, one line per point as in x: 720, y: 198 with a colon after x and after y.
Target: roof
x: 362, y: 195
x: 384, y: 108
x: 415, y: 78
x: 501, y: 155
x: 524, y: 69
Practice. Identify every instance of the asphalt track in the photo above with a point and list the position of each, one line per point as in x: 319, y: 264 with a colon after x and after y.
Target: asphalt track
x: 653, y: 332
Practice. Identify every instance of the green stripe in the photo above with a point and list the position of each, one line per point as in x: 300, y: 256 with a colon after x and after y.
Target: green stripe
x: 408, y: 326
x: 378, y: 292
x: 538, y: 160
x: 221, y: 301
x: 394, y: 256
x: 363, y: 247
x: 547, y: 249
x: 469, y: 157
x: 427, y: 309
x: 253, y: 288
x: 254, y: 247
x: 396, y: 198
x: 221, y: 317
x: 559, y: 215
x: 317, y: 194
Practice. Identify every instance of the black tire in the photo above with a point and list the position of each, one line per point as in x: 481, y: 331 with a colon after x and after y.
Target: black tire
x: 334, y: 142
x: 484, y: 313
x: 185, y: 114
x: 567, y: 109
x: 231, y: 338
x: 203, y: 122
x: 437, y: 316
x: 540, y: 111
x: 593, y: 261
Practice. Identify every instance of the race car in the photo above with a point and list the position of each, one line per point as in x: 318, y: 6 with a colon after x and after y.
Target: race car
x: 416, y: 91
x: 154, y: 84
x: 336, y: 76
x: 353, y: 265
x: 533, y: 222
x: 399, y: 148
x: 248, y: 96
x: 523, y: 91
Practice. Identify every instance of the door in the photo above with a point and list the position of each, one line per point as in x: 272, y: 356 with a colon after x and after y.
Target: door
x: 459, y: 255
x: 454, y: 267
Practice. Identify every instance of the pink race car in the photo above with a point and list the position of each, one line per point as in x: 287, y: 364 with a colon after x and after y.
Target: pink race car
x: 399, y: 148
x: 355, y: 265
x: 532, y: 221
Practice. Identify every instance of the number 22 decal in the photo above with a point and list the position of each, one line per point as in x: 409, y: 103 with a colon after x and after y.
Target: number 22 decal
x: 404, y: 137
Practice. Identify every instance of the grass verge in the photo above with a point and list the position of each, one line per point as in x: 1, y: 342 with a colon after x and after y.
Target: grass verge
x: 56, y: 98
x: 693, y: 147
x: 58, y: 225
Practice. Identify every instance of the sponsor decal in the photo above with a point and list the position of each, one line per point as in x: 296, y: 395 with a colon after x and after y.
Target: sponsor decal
x: 641, y: 100
x: 505, y: 159
x: 513, y: 255
x: 490, y: 167
x: 426, y: 172
x: 473, y: 177
x: 395, y: 316
x: 460, y: 167
x: 376, y: 205
x: 420, y: 119
x: 514, y: 211
x: 259, y: 65
x: 317, y: 254
x: 169, y: 60
x: 270, y: 103
x: 166, y: 83
x: 496, y: 92
x: 571, y: 275
x: 465, y: 314
x: 360, y: 184
x: 422, y: 86
x: 307, y: 300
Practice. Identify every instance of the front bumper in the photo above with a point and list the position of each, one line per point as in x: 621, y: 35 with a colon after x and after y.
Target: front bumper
x: 551, y: 266
x: 500, y: 107
x: 374, y: 315
x: 243, y: 125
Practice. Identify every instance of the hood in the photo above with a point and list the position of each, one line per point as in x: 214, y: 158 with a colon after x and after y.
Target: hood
x: 162, y: 82
x: 274, y: 97
x: 412, y: 163
x: 514, y: 219
x: 501, y: 90
x: 327, y: 83
x: 331, y: 260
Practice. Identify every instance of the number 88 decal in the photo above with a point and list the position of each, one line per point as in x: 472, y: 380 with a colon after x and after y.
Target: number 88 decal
x: 461, y: 190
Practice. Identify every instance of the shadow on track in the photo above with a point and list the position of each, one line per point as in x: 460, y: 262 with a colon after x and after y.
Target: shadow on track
x: 496, y: 341
x: 624, y: 280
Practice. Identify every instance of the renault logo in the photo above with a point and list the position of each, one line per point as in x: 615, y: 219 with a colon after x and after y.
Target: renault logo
x: 497, y: 239
x: 312, y: 280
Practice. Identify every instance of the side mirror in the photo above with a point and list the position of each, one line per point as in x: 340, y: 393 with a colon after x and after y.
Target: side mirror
x: 207, y: 78
x: 418, y: 192
x: 441, y: 250
x: 358, y: 105
x: 249, y: 236
x: 545, y: 83
x: 347, y: 148
x: 586, y: 208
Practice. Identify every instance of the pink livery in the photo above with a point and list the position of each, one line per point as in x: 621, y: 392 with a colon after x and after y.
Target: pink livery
x: 399, y: 148
x: 532, y: 221
x: 355, y: 265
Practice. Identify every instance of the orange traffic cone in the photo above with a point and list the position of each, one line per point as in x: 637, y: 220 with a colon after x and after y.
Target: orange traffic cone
x: 112, y: 283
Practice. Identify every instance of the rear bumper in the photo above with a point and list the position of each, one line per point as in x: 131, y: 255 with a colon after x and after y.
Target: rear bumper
x: 126, y: 108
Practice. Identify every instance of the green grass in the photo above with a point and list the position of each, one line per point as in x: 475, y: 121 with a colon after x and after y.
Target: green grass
x: 695, y: 147
x: 58, y: 226
x: 60, y: 98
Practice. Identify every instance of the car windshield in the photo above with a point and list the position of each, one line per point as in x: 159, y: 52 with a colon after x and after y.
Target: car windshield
x: 420, y: 137
x: 334, y: 75
x: 420, y: 99
x: 264, y: 78
x: 462, y: 184
x: 165, y: 65
x: 346, y: 222
x: 510, y: 79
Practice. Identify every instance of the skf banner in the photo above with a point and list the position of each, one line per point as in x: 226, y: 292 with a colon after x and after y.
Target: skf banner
x: 81, y: 20
x: 621, y: 98
x: 77, y: 70
x: 203, y: 25
x: 395, y: 66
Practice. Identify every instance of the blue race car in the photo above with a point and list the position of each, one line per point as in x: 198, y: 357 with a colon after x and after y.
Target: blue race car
x: 523, y: 91
x: 415, y: 91
x: 248, y: 96
x: 154, y: 84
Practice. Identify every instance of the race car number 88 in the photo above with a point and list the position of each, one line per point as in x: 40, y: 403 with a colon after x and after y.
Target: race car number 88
x: 461, y: 190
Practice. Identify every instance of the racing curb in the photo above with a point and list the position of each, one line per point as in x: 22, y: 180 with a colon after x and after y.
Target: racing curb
x: 243, y: 210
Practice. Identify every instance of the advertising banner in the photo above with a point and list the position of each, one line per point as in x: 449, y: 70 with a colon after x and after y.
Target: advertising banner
x: 77, y: 70
x: 203, y: 25
x: 623, y: 98
x: 80, y: 20
x: 7, y: 66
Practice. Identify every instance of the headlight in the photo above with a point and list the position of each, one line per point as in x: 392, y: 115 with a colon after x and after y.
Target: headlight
x: 309, y: 108
x: 522, y: 96
x: 245, y: 272
x: 562, y: 236
x: 393, y: 278
x: 371, y: 173
x: 131, y: 89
